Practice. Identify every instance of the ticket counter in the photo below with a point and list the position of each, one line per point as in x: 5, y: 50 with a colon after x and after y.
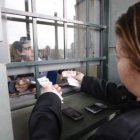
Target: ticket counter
x: 72, y: 130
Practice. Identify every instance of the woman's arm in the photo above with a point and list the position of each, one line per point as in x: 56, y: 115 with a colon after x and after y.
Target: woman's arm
x: 107, y: 91
x: 45, y: 121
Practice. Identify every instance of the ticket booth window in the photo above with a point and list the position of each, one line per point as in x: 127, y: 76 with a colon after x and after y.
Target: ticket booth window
x: 57, y: 35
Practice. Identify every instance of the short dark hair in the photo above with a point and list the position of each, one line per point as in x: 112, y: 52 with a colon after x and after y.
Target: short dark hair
x: 17, y: 45
x: 24, y: 40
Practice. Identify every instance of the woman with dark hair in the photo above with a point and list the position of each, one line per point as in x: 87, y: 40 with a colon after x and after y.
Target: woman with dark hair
x: 125, y: 126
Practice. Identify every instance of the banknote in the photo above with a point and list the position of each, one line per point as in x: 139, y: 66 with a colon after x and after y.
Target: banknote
x: 73, y: 82
x: 46, y: 82
x: 69, y: 75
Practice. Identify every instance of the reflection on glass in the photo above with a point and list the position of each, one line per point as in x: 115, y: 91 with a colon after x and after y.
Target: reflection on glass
x: 92, y: 70
x: 19, y: 36
x: 60, y: 41
x: 94, y: 13
x: 23, y: 5
x: 76, y: 39
x: 14, y: 17
x: 22, y: 49
x: 50, y: 7
x: 81, y: 69
x: 76, y: 10
x: 94, y: 41
x: 50, y: 40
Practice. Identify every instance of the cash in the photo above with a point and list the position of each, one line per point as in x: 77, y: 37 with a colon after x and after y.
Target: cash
x: 73, y: 82
x: 69, y: 73
x: 46, y: 82
x: 69, y: 76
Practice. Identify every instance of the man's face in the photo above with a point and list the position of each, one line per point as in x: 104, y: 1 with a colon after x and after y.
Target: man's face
x: 27, y: 52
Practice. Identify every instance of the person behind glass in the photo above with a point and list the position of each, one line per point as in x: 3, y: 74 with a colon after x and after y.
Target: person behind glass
x: 24, y: 49
x: 124, y: 126
x: 47, y: 55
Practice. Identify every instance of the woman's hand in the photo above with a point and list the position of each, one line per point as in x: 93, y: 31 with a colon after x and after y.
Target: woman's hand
x: 79, y: 76
x: 48, y: 87
x: 58, y: 88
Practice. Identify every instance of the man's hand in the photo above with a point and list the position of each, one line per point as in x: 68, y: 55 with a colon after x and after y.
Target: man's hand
x: 22, y: 85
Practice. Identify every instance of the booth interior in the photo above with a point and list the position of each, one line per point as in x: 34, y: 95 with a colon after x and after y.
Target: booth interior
x: 43, y: 38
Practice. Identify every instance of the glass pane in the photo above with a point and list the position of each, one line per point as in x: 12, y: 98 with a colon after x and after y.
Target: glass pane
x: 76, y: 10
x: 94, y: 13
x: 23, y: 5
x: 81, y: 69
x: 76, y: 39
x: 50, y: 7
x: 50, y: 40
x: 92, y: 70
x: 19, y: 35
x: 94, y: 39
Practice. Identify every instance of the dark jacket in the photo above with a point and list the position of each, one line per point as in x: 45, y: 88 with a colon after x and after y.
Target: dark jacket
x: 45, y: 122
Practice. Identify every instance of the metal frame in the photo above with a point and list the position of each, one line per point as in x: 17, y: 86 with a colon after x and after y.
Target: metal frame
x: 36, y: 67
x: 65, y: 28
x: 87, y: 37
x: 32, y: 63
x: 105, y: 33
x: 1, y: 36
x: 27, y: 18
x: 103, y: 27
x: 42, y: 16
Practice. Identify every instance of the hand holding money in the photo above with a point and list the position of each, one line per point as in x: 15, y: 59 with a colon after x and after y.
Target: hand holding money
x: 22, y: 85
x: 48, y: 87
x: 79, y: 76
x: 74, y: 78
x: 61, y: 76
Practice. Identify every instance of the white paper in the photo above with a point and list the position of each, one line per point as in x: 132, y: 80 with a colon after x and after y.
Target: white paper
x: 73, y: 82
x: 69, y: 75
x: 45, y: 81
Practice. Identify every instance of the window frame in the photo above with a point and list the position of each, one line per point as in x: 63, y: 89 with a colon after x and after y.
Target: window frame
x: 34, y: 66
